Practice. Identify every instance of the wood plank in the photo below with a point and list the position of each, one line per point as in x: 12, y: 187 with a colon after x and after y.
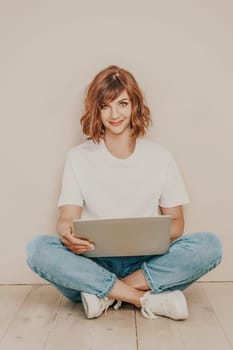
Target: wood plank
x: 200, y: 331
x: 220, y: 296
x: 157, y: 334
x: 37, y: 320
x: 11, y: 297
x: 30, y: 327
x: 72, y: 330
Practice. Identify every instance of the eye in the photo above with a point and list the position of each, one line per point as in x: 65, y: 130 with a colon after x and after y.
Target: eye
x: 104, y: 106
x: 123, y: 104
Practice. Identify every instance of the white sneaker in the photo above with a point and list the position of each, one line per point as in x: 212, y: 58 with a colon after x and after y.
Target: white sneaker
x: 94, y: 306
x: 170, y: 304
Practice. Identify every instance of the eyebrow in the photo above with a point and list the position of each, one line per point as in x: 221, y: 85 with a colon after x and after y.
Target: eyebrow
x: 123, y: 99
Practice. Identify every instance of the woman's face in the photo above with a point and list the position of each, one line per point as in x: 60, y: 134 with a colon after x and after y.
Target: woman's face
x: 116, y: 115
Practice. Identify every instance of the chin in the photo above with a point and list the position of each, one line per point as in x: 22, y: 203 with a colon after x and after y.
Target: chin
x: 118, y: 132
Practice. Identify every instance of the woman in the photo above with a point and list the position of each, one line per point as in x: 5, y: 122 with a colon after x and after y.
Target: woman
x: 119, y: 173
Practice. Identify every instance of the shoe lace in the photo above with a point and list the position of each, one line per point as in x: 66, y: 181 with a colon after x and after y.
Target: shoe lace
x: 108, y: 302
x: 117, y: 305
x: 147, y: 313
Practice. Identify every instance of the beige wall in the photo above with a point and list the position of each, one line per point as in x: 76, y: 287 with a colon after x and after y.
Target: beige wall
x: 181, y: 54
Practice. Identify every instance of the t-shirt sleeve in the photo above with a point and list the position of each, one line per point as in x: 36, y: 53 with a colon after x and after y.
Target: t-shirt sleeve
x: 173, y: 191
x: 70, y: 190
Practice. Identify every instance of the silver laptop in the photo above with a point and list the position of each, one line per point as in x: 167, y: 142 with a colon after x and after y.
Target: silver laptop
x: 125, y: 236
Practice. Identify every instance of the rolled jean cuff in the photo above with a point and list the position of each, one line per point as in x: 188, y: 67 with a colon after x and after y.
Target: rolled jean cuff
x: 105, y: 293
x: 150, y: 281
x: 182, y: 284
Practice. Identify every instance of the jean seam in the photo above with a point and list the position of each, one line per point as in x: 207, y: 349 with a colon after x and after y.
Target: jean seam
x: 150, y: 281
x: 49, y: 278
x: 52, y: 280
x: 193, y: 278
x: 103, y: 294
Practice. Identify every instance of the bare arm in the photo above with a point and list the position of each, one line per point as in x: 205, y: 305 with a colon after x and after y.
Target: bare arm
x: 177, y: 226
x: 68, y: 213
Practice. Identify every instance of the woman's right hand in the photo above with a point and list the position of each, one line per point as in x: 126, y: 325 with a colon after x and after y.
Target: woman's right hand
x: 76, y: 245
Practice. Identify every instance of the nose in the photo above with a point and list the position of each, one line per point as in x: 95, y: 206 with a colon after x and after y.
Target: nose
x: 115, y: 113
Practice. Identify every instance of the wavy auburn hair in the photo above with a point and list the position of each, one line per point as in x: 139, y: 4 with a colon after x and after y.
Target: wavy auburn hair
x: 105, y: 87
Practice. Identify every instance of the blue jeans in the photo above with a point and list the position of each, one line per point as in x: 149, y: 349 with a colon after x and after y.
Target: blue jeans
x: 189, y: 258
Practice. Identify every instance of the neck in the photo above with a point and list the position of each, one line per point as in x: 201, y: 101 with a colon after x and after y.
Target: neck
x: 121, y: 146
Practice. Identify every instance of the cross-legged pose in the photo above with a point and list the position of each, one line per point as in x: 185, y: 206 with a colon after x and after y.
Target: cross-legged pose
x: 117, y: 173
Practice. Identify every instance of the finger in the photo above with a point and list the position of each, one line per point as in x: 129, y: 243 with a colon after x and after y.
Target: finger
x: 75, y: 240
x: 68, y: 233
x: 77, y: 246
x: 67, y: 245
x: 83, y: 242
x: 70, y: 238
x: 82, y: 251
x: 78, y: 249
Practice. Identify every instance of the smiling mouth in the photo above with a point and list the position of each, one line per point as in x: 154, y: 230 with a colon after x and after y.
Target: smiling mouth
x: 116, y: 123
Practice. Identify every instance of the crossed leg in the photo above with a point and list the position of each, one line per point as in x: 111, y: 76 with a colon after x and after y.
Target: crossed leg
x: 130, y: 288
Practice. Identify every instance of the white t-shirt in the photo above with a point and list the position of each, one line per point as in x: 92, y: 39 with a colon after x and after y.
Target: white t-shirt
x: 109, y: 187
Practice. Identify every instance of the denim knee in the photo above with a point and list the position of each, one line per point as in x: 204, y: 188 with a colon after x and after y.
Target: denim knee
x: 209, y: 247
x: 37, y: 249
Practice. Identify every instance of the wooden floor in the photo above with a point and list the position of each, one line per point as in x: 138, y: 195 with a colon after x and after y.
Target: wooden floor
x: 38, y: 317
